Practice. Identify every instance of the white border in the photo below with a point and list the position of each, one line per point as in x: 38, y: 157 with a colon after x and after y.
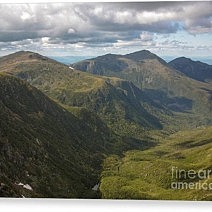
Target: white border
x: 40, y: 205
x: 65, y: 1
x: 60, y: 205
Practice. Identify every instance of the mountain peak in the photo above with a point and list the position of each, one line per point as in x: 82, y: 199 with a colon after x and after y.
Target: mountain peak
x: 194, y: 69
x: 25, y: 55
x: 144, y: 51
x: 183, y: 59
x: 143, y: 55
x: 108, y: 56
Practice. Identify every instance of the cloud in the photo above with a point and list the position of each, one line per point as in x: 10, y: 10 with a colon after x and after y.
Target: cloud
x: 146, y: 36
x: 80, y: 25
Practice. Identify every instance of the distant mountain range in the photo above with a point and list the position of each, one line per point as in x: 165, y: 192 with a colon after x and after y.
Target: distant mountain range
x: 120, y: 104
x: 69, y: 59
x: 58, y: 123
x: 203, y: 59
x: 157, y: 79
x: 193, y: 69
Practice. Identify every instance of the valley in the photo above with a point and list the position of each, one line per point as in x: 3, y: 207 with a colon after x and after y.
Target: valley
x: 149, y: 174
x: 123, y: 120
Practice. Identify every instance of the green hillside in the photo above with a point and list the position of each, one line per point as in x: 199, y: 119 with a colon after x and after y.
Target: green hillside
x: 44, y: 146
x: 62, y: 130
x: 148, y: 174
x: 120, y: 104
x: 158, y: 80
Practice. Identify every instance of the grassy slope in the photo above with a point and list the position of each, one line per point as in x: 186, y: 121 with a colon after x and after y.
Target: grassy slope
x: 119, y: 103
x: 158, y: 80
x: 147, y: 174
x: 45, y: 146
x: 73, y: 88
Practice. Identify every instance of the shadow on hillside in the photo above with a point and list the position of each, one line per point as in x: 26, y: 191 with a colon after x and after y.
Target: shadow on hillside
x: 191, y: 144
x: 130, y: 143
x: 176, y: 104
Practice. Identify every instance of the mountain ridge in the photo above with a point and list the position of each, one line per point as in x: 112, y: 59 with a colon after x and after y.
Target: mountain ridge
x: 157, y: 79
x: 53, y: 117
x: 143, y: 55
x: 45, y: 146
x: 115, y: 100
x: 194, y: 69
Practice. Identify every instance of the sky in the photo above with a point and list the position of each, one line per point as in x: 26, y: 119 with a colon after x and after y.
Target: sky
x: 90, y: 29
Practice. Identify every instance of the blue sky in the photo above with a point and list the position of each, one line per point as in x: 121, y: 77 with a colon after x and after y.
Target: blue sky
x: 165, y: 28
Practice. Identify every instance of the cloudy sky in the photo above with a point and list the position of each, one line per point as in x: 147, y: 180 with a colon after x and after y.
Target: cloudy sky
x: 63, y: 29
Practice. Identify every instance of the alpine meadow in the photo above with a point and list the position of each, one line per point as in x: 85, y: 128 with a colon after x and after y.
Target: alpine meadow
x: 91, y: 108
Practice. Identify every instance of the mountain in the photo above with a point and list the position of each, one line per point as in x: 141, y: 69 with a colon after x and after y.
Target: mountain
x: 139, y: 56
x: 154, y: 173
x: 58, y: 125
x: 46, y: 151
x: 193, y: 69
x: 119, y: 103
x: 163, y: 84
x: 110, y: 63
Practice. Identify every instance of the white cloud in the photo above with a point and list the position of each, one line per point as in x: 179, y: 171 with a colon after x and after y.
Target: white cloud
x: 146, y: 36
x: 45, y: 39
x: 80, y: 26
x: 71, y: 31
x: 25, y: 16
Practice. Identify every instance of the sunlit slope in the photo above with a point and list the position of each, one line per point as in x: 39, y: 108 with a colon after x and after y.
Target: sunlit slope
x: 150, y: 174
x: 120, y: 104
x: 158, y: 80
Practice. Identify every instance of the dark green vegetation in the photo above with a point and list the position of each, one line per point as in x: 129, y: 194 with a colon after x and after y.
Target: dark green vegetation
x: 45, y: 146
x: 194, y: 69
x: 158, y: 80
x: 148, y: 174
x: 120, y: 104
x: 58, y: 124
